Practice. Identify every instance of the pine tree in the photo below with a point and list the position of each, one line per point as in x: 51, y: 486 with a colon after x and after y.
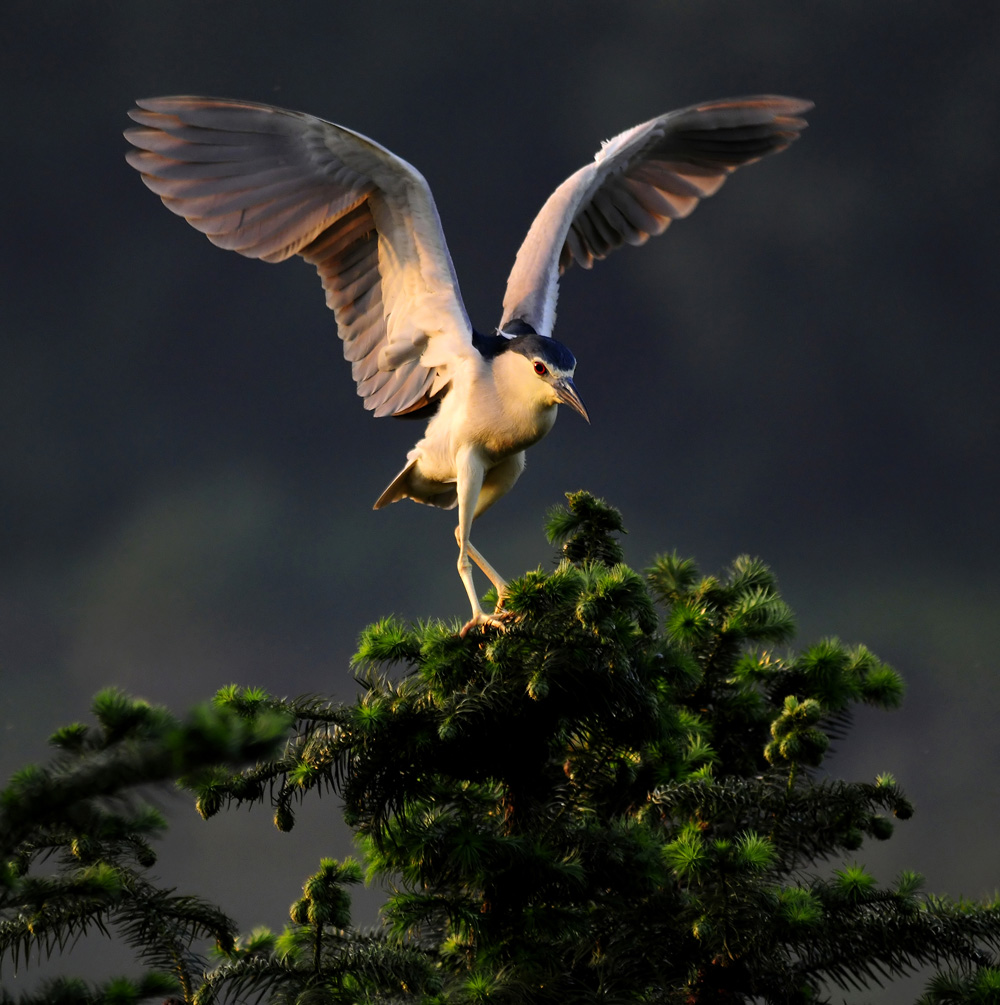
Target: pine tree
x: 615, y: 799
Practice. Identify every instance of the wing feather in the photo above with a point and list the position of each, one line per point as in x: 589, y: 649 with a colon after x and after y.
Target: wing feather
x: 271, y: 183
x: 639, y: 182
x: 631, y: 206
x: 211, y: 173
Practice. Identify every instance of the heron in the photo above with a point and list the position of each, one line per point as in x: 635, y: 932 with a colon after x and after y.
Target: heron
x: 271, y: 183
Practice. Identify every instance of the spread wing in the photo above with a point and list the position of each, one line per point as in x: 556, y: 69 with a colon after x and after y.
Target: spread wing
x: 271, y: 183
x: 637, y: 183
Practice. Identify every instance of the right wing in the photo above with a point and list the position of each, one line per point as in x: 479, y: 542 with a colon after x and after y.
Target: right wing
x: 271, y: 183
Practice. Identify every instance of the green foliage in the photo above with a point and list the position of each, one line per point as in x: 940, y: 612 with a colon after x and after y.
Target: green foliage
x: 963, y: 988
x: 584, y: 530
x: 75, y: 842
x: 616, y: 798
x: 317, y: 958
x: 117, y: 991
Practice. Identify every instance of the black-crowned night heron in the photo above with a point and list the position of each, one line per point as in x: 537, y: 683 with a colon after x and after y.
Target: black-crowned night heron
x: 271, y: 183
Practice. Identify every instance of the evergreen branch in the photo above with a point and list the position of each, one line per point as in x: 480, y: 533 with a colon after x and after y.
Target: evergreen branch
x: 163, y: 927
x: 140, y: 749
x: 813, y: 821
x: 353, y: 967
x: 879, y: 938
x: 584, y: 529
x: 117, y: 991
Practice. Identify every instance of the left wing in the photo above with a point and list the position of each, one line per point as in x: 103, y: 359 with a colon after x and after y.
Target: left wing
x: 637, y: 183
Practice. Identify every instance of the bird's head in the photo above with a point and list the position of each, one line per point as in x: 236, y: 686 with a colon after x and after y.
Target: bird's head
x: 545, y: 370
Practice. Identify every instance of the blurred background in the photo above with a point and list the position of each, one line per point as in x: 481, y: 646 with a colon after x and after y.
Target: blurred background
x: 804, y: 370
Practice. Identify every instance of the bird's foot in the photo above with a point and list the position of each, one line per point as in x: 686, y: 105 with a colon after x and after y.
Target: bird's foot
x: 496, y: 620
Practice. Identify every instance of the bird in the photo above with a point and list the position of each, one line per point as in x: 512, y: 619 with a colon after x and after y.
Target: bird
x: 271, y: 183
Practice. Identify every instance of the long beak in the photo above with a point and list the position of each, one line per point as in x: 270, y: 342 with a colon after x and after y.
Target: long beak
x: 567, y: 394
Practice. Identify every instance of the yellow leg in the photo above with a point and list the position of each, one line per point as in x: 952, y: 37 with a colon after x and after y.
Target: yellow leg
x: 469, y: 484
x: 491, y: 574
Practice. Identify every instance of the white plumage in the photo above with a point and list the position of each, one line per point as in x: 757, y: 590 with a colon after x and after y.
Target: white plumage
x: 271, y: 183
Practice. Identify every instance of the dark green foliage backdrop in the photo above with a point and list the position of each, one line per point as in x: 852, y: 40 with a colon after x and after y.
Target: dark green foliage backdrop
x: 805, y: 369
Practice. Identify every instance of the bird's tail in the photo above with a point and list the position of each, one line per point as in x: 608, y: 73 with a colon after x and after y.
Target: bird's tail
x: 397, y: 487
x: 408, y: 484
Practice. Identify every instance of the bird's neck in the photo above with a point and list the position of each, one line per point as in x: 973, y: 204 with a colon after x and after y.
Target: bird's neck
x: 528, y: 410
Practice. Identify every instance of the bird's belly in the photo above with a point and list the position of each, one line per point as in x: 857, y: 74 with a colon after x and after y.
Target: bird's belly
x: 436, y: 469
x: 439, y: 466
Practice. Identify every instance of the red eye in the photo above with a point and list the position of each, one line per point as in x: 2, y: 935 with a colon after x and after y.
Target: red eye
x: 541, y: 369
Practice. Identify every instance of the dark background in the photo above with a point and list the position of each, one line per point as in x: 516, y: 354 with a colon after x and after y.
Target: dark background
x: 805, y: 370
